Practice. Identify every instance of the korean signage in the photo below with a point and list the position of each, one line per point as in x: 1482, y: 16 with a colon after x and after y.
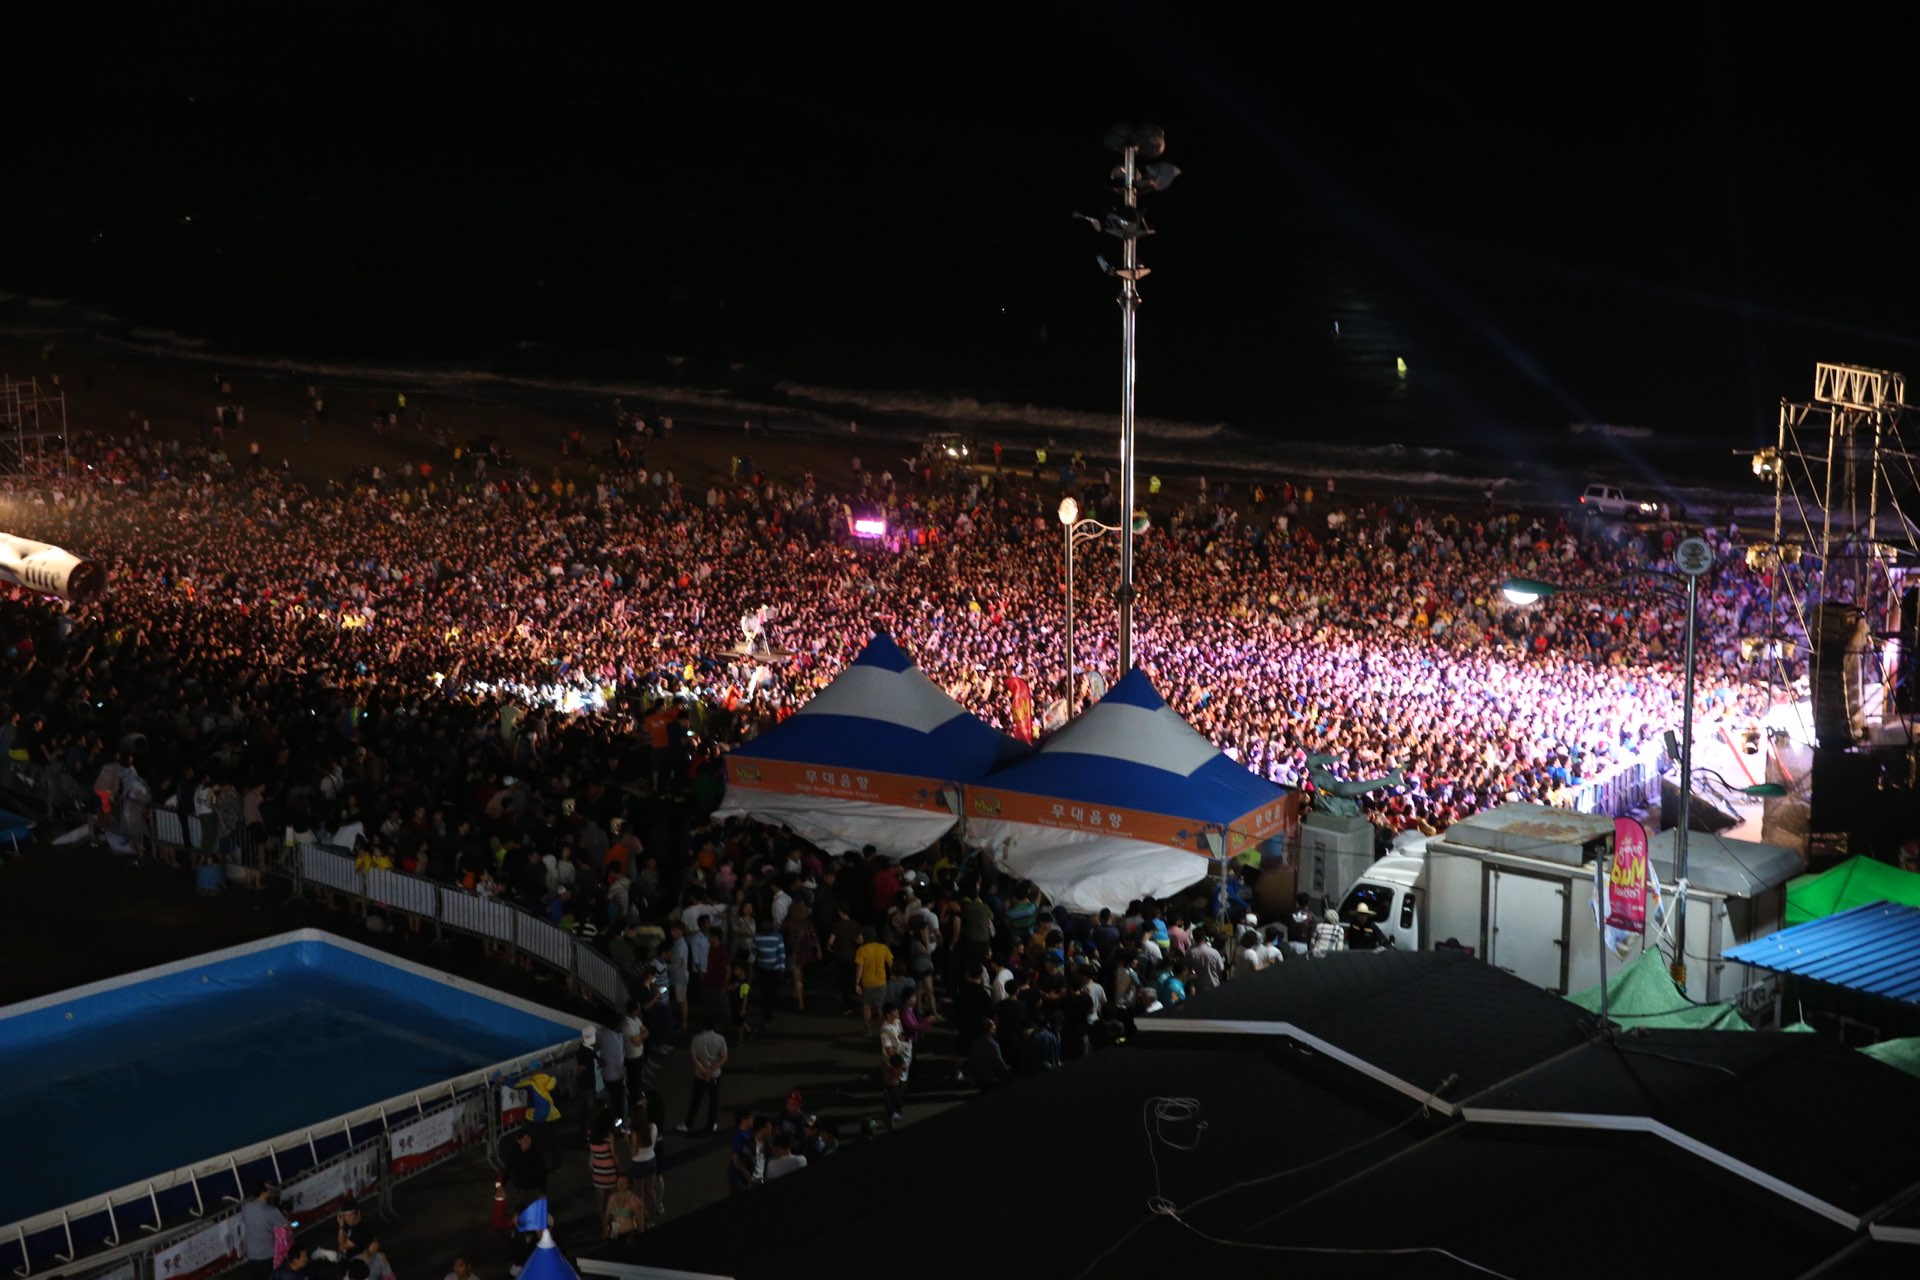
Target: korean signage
x: 837, y: 782
x: 205, y: 1252
x: 1627, y: 882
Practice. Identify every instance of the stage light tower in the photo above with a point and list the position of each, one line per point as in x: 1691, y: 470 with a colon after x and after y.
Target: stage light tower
x: 1141, y: 168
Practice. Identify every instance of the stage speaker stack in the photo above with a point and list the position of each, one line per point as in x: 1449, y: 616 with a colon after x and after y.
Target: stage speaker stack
x: 1906, y: 686
x: 1839, y: 676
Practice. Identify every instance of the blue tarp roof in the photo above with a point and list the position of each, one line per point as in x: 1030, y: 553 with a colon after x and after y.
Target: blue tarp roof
x: 1874, y: 949
x: 1132, y: 751
x: 882, y: 714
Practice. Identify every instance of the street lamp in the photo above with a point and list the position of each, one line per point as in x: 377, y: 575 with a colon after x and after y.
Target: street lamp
x: 1079, y: 530
x: 1693, y: 557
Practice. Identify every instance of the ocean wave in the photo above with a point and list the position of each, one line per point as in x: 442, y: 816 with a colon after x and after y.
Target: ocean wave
x: 968, y: 409
x: 1610, y: 430
x: 167, y: 339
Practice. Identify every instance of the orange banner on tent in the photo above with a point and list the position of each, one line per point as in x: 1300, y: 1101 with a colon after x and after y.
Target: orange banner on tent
x: 791, y: 778
x: 1242, y: 834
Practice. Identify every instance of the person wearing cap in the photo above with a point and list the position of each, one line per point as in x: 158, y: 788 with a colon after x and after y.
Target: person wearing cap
x: 1364, y: 933
x: 793, y: 1120
x: 1329, y: 936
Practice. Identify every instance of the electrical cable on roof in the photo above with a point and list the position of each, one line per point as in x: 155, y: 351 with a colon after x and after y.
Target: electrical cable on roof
x: 1348, y: 1250
x: 1167, y: 1110
x: 1685, y: 1062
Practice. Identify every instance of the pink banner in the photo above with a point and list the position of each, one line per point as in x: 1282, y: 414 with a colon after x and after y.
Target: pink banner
x: 1627, y: 885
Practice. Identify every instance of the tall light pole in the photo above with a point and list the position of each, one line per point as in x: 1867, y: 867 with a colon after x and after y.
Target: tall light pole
x: 1693, y: 557
x: 1141, y: 168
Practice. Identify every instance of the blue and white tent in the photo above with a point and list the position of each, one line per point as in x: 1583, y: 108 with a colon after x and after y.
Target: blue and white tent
x: 1126, y: 801
x: 877, y: 757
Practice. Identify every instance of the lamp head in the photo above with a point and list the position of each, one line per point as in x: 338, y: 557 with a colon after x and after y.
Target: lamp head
x: 1525, y: 591
x: 1069, y: 511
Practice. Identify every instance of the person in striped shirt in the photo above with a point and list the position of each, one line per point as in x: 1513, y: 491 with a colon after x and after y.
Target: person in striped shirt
x: 1022, y: 912
x: 769, y: 966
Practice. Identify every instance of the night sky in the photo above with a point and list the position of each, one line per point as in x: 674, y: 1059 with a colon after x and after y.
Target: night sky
x: 1657, y: 218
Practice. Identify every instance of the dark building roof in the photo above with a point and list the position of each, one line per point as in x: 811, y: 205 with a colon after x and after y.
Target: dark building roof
x: 1420, y: 1016
x: 1041, y: 1176
x: 1873, y: 949
x: 1828, y: 1120
x: 1277, y: 1155
x: 1540, y: 1203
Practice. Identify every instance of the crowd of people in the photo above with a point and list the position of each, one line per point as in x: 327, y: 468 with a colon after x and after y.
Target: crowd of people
x: 524, y: 684
x: 394, y: 614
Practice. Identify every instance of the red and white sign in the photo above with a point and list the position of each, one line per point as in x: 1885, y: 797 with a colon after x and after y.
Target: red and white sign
x: 323, y: 1190
x: 420, y: 1142
x: 204, y: 1253
x: 1627, y: 882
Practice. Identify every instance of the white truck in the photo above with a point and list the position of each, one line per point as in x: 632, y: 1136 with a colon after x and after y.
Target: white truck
x: 1514, y: 886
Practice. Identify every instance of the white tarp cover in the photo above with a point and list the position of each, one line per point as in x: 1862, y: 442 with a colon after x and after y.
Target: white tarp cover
x: 875, y: 758
x: 1127, y: 801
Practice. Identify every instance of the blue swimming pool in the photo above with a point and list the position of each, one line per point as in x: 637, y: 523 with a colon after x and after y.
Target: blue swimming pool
x: 123, y: 1081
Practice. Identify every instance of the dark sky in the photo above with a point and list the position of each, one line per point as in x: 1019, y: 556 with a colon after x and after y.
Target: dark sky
x: 1660, y: 215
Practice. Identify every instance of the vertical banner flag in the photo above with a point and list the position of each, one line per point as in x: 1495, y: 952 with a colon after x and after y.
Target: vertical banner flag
x: 1627, y: 884
x: 1022, y: 696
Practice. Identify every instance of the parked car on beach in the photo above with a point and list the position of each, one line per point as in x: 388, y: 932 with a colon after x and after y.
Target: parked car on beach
x: 1606, y: 500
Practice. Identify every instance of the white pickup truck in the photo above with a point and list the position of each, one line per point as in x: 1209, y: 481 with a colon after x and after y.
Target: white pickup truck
x: 1606, y: 500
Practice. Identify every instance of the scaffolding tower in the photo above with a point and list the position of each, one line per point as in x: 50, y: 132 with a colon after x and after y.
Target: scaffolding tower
x: 33, y: 426
x: 1844, y: 555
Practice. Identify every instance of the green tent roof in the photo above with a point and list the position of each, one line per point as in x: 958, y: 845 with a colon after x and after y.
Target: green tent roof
x: 1640, y: 994
x: 1854, y: 883
x: 1904, y: 1054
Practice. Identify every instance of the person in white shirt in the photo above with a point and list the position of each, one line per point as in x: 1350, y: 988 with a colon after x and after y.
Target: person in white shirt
x: 782, y: 903
x: 1001, y: 977
x: 1261, y: 952
x: 783, y: 1161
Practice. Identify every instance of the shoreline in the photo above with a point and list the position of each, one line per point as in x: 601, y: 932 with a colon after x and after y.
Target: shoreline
x: 1453, y: 474
x: 111, y: 387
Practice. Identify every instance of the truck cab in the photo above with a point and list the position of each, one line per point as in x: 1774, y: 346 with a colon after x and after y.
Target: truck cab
x: 1392, y: 889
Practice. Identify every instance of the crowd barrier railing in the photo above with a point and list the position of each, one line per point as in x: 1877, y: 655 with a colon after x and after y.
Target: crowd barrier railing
x: 1617, y: 792
x: 250, y: 855
x: 182, y: 1225
x: 465, y: 911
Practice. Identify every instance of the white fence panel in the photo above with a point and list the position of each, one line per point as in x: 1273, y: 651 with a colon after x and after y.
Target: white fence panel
x: 407, y: 893
x: 167, y: 827
x: 598, y: 975
x: 546, y: 941
x: 474, y: 914
x: 329, y: 870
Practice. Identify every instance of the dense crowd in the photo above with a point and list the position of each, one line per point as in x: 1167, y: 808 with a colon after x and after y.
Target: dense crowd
x: 523, y: 684
x: 390, y: 614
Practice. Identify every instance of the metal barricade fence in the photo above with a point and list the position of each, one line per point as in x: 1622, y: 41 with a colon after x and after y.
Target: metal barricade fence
x: 1630, y: 785
x: 368, y: 1154
x: 464, y: 911
x: 600, y: 975
x: 544, y: 941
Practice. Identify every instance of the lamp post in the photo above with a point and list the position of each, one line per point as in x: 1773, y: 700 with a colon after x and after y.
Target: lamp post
x: 1693, y: 557
x: 1079, y: 530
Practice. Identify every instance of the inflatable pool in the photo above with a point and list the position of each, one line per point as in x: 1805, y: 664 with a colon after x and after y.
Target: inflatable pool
x: 159, y: 1079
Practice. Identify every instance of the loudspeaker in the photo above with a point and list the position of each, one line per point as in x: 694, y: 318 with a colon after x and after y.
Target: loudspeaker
x: 1842, y: 797
x: 1707, y: 816
x: 1906, y: 686
x: 1839, y: 685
